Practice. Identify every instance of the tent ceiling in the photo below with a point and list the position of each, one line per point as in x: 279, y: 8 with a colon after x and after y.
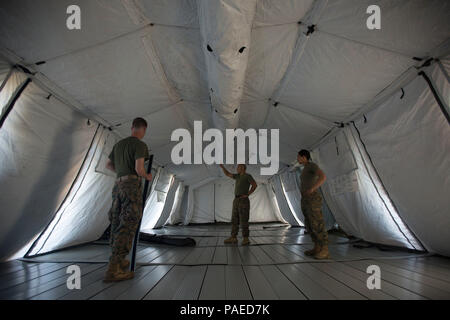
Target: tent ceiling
x: 119, y: 66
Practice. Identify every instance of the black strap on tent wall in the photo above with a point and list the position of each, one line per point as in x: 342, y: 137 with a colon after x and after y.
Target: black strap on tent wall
x: 10, y: 105
x: 144, y: 198
x: 436, y: 95
x: 385, y: 190
x: 30, y: 250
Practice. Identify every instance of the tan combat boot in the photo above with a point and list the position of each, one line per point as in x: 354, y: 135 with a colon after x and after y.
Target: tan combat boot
x: 125, y: 265
x: 322, y: 254
x: 231, y: 240
x: 245, y: 242
x: 116, y: 273
x: 313, y: 251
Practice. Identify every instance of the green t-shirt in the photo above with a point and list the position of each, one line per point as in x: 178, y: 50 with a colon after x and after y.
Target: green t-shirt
x: 243, y: 183
x: 125, y: 153
x: 309, y: 176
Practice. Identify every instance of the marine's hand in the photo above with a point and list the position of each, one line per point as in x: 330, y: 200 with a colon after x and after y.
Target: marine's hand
x: 148, y: 177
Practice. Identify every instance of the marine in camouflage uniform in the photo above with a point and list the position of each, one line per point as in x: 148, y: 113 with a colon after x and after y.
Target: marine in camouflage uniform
x: 311, y: 203
x: 241, y: 203
x: 127, y: 156
x: 125, y: 214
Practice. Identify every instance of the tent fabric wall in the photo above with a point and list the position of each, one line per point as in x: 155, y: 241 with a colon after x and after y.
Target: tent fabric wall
x: 83, y: 216
x: 177, y: 203
x: 213, y: 203
x: 157, y: 199
x: 203, y: 210
x: 355, y: 197
x: 292, y: 194
x: 179, y: 214
x: 168, y: 205
x: 12, y: 82
x: 414, y: 165
x: 285, y: 211
x: 42, y: 146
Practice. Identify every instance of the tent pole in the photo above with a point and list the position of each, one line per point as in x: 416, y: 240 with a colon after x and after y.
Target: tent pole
x: 144, y: 198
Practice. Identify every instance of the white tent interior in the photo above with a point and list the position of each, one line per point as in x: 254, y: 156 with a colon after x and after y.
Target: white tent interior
x: 371, y: 105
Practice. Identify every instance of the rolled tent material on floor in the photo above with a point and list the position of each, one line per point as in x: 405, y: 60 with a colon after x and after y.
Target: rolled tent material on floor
x: 83, y: 217
x: 408, y: 140
x: 43, y: 144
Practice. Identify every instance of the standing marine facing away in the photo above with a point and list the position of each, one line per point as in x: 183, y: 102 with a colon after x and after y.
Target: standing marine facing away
x: 241, y: 203
x: 127, y: 161
x: 312, y: 177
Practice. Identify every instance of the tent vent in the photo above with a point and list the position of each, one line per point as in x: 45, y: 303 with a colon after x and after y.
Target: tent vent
x: 39, y: 63
x: 365, y: 119
x: 49, y: 96
x: 275, y: 104
x: 209, y: 48
x: 236, y: 110
x: 311, y: 29
x: 241, y: 49
x: 417, y: 58
x: 403, y: 93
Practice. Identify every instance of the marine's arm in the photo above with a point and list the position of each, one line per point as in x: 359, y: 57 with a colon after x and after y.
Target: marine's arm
x: 140, y: 169
x: 110, y: 165
x: 253, y: 188
x: 226, y: 172
x: 320, y: 181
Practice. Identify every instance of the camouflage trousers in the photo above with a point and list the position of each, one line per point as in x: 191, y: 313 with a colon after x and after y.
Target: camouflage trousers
x: 240, y: 215
x: 125, y: 214
x: 314, y: 223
